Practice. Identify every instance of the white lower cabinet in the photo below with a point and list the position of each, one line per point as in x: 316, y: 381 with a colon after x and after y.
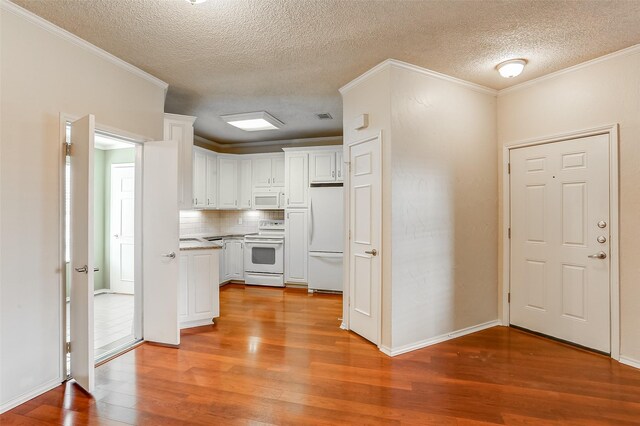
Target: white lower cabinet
x: 198, y: 296
x: 232, y: 260
x: 296, y: 246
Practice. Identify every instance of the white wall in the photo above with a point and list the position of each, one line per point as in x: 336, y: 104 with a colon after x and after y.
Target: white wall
x: 444, y: 202
x: 44, y: 74
x: 439, y: 242
x: 601, y: 93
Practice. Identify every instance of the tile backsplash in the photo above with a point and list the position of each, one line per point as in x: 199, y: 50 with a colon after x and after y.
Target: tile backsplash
x: 224, y: 222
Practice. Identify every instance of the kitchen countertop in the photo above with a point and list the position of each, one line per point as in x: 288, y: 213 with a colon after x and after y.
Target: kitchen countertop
x: 200, y: 241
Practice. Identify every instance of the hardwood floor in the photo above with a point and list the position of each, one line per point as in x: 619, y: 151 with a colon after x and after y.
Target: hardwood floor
x: 278, y: 357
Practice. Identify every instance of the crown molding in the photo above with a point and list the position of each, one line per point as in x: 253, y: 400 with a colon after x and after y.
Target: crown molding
x: 632, y: 50
x: 394, y: 63
x: 324, y: 140
x: 8, y: 6
x: 178, y: 117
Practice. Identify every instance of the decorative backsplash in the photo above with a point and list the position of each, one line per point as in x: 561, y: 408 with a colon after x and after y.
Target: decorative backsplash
x: 224, y: 222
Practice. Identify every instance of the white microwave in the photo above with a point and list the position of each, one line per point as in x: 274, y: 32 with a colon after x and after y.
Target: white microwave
x: 268, y: 200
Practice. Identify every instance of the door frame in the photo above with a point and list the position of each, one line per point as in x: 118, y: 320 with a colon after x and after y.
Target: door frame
x: 346, y: 271
x: 138, y: 141
x: 614, y: 210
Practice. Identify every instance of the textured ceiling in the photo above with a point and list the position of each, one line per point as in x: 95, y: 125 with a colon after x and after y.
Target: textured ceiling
x: 289, y: 57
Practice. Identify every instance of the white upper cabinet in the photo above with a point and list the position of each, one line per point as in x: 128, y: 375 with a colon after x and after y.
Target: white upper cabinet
x: 199, y: 178
x: 339, y: 166
x: 277, y: 171
x: 297, y: 179
x: 244, y: 184
x: 212, y: 180
x: 227, y: 183
x: 180, y: 128
x: 322, y: 166
x: 268, y: 171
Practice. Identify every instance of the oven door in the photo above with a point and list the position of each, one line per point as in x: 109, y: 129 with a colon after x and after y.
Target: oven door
x: 264, y: 256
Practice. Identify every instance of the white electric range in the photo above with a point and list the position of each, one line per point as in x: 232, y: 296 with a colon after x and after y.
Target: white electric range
x: 264, y: 255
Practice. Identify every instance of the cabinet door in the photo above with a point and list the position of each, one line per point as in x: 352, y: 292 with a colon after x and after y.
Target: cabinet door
x: 322, y: 166
x: 229, y: 260
x: 212, y: 181
x: 340, y: 166
x: 227, y: 183
x: 297, y: 179
x: 222, y: 271
x: 183, y: 288
x: 180, y: 129
x: 296, y: 251
x: 239, y: 260
x: 199, y: 178
x: 244, y: 192
x: 201, y: 285
x: 261, y: 172
x: 277, y: 171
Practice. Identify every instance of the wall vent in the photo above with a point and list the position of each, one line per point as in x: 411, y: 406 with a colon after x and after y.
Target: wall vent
x: 324, y: 116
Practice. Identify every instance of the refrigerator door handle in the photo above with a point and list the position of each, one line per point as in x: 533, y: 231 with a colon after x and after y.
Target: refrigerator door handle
x: 310, y: 220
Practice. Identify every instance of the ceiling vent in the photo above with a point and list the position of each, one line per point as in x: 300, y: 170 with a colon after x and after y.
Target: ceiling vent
x: 324, y: 116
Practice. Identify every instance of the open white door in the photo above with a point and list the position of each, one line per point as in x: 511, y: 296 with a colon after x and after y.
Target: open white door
x: 82, y: 264
x: 365, y: 213
x: 160, y: 242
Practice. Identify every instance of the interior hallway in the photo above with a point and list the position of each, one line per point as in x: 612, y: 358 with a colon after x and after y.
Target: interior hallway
x: 277, y: 356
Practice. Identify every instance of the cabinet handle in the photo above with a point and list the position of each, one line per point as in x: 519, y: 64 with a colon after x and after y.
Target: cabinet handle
x: 235, y: 203
x: 333, y: 173
x: 196, y: 201
x: 249, y: 203
x: 208, y: 202
x: 288, y: 201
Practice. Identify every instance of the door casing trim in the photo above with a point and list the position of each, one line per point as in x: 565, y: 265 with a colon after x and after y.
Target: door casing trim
x: 614, y: 219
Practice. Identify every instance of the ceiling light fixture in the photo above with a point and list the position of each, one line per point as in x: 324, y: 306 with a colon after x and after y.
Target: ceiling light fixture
x: 253, y: 121
x: 195, y: 1
x: 511, y: 68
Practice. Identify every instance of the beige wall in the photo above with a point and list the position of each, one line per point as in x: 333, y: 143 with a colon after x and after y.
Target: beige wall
x: 444, y: 202
x: 439, y: 254
x: 42, y: 75
x: 601, y: 93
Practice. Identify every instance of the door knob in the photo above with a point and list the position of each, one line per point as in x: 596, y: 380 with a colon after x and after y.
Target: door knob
x: 82, y: 269
x: 599, y: 255
x: 116, y: 236
x: 373, y: 252
x: 171, y: 255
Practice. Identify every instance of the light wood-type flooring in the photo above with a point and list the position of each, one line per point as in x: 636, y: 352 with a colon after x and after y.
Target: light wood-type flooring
x: 277, y: 356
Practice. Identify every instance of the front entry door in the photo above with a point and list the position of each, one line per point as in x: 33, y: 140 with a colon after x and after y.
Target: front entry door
x: 365, y: 225
x: 560, y: 240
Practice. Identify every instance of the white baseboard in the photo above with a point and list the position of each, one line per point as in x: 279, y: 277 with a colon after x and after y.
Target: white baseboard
x: 29, y: 395
x: 629, y: 361
x: 438, y: 339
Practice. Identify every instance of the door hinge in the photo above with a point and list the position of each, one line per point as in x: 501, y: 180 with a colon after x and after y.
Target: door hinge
x: 68, y: 347
x: 509, y: 233
x: 508, y: 297
x: 509, y: 168
x: 67, y: 149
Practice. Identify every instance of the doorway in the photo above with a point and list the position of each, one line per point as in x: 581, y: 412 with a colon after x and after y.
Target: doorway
x: 117, y: 317
x: 562, y: 200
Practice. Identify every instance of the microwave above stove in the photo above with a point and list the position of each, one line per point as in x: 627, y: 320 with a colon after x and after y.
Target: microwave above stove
x: 268, y: 200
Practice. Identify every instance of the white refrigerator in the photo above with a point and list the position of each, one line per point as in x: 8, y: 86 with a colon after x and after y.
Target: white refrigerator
x: 326, y: 237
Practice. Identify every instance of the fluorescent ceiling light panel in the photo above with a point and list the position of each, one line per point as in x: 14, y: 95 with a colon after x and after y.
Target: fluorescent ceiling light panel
x: 253, y: 121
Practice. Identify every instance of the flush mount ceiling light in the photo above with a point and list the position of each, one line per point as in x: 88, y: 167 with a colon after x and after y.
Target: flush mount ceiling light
x: 511, y: 68
x: 253, y: 121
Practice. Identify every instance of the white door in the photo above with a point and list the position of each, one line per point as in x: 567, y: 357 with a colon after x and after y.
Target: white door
x: 244, y: 191
x: 199, y: 178
x: 277, y: 171
x: 82, y: 262
x: 121, y: 253
x: 261, y: 172
x: 560, y: 240
x: 297, y: 182
x: 296, y: 245
x: 365, y: 214
x: 322, y: 167
x: 212, y: 181
x: 160, y: 238
x: 227, y: 183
